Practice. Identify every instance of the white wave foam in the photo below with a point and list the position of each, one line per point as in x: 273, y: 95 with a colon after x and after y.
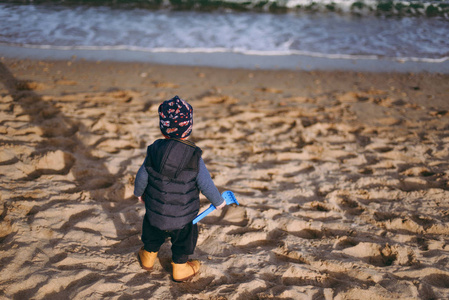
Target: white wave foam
x: 244, y: 52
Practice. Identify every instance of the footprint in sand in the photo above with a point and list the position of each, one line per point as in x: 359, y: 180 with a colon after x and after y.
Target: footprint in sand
x: 303, y: 275
x: 34, y: 165
x: 54, y: 162
x: 8, y: 157
x: 229, y: 215
x: 372, y: 253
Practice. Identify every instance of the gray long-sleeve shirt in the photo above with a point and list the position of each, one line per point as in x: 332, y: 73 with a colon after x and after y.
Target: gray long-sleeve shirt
x: 204, y: 182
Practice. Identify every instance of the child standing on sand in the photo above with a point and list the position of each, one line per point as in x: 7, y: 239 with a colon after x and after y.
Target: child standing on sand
x: 169, y: 183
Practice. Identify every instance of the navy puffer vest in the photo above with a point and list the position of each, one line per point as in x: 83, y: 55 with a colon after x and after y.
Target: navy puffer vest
x: 172, y: 195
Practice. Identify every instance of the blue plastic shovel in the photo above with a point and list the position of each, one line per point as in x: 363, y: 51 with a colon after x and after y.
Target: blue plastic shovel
x: 228, y: 196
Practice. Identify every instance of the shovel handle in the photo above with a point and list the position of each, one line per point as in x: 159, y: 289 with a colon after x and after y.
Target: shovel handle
x: 228, y: 196
x: 204, y: 213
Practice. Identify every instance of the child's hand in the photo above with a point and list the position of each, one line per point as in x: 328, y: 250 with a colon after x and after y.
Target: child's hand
x: 141, y: 200
x: 221, y: 205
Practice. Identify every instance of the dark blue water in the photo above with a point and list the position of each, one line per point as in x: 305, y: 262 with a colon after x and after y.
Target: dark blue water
x: 335, y: 33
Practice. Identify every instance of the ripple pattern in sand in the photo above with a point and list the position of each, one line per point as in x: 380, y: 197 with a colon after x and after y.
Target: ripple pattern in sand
x: 332, y: 205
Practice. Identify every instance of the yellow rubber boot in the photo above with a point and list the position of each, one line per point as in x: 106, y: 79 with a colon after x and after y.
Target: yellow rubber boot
x: 183, y: 272
x: 146, y: 259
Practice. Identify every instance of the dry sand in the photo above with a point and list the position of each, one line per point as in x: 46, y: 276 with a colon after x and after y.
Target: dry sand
x: 342, y: 180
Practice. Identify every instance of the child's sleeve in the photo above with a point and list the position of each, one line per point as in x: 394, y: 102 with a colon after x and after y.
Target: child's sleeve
x: 141, y: 181
x: 207, y: 186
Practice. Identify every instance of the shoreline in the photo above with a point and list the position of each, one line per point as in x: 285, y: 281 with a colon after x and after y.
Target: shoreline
x: 230, y: 60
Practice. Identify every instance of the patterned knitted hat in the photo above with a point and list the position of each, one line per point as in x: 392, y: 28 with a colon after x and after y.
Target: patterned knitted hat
x: 176, y: 118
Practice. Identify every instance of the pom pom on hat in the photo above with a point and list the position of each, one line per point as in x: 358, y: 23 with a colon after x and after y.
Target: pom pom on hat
x: 176, y: 118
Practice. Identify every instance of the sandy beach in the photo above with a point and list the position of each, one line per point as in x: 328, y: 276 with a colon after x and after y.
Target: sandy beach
x: 342, y: 179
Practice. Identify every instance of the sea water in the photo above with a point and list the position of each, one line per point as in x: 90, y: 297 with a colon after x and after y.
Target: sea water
x: 335, y: 30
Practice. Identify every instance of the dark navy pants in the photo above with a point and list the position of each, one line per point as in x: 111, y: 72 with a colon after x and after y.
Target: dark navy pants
x: 183, y: 240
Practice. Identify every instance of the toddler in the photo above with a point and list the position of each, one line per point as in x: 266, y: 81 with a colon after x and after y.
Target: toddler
x: 169, y: 183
